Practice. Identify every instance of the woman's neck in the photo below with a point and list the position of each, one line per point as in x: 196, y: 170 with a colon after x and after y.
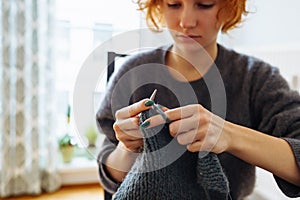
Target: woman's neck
x: 190, y: 65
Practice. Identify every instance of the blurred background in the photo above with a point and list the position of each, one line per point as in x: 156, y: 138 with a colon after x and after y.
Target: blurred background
x: 43, y: 47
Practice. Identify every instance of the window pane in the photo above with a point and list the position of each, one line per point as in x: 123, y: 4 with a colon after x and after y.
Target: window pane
x: 81, y: 26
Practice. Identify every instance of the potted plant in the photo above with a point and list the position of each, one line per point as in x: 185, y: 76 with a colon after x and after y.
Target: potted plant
x: 91, y: 135
x: 66, y: 148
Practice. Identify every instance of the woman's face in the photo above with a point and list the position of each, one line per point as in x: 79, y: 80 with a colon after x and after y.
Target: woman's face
x: 192, y: 20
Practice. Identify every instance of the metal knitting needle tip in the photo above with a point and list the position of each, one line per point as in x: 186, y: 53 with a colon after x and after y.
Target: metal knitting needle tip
x: 153, y: 95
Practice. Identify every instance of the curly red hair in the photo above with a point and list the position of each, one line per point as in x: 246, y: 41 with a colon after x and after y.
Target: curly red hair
x: 231, y: 13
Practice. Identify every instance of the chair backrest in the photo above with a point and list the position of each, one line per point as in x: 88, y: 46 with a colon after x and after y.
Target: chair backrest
x: 111, y: 58
x: 107, y: 195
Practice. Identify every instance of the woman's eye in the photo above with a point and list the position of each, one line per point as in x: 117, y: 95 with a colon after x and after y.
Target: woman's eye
x: 205, y: 6
x: 174, y: 5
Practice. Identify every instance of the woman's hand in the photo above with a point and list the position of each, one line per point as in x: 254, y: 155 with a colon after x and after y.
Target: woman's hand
x: 195, y: 127
x: 127, y: 127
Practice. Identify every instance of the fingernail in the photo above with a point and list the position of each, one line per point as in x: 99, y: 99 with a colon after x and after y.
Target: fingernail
x: 149, y: 103
x: 145, y: 124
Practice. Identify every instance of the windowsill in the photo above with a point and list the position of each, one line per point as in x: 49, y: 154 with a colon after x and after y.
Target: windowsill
x: 83, y: 169
x: 80, y: 170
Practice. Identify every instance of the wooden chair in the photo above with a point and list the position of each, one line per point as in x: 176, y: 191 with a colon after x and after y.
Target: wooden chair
x: 111, y: 58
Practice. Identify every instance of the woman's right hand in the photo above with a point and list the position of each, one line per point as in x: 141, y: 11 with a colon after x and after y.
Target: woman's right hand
x: 127, y: 127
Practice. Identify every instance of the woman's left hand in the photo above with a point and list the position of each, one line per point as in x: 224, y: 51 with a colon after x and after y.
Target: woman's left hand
x: 195, y: 127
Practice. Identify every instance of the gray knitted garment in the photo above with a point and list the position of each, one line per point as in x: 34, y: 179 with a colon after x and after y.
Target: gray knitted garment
x: 154, y: 176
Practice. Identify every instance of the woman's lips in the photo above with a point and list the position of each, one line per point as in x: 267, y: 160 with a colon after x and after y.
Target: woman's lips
x: 188, y: 37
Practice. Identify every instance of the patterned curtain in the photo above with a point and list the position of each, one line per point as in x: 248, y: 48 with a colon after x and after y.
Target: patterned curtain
x: 27, y: 140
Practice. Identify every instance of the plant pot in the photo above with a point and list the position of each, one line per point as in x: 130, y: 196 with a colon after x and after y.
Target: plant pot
x: 67, y: 153
x: 91, y: 136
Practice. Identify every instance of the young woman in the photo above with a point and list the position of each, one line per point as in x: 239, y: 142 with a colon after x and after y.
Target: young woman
x: 255, y: 122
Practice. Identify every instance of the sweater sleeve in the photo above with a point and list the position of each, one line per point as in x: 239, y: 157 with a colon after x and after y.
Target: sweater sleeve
x: 105, y: 122
x: 277, y: 112
x: 105, y: 119
x: 289, y: 189
x: 106, y: 181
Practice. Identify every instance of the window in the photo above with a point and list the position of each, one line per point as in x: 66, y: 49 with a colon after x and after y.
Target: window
x: 80, y: 26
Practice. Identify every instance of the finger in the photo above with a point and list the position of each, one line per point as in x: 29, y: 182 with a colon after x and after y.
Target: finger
x: 133, y: 146
x: 179, y: 113
x: 130, y: 135
x: 194, y: 147
x: 128, y: 124
x: 134, y: 109
x: 187, y: 137
x: 163, y: 108
x: 202, y: 144
x: 171, y: 114
x: 184, y: 125
x: 153, y: 121
x: 199, y: 146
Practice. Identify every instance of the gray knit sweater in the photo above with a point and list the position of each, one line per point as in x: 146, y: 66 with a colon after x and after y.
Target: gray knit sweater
x: 256, y: 97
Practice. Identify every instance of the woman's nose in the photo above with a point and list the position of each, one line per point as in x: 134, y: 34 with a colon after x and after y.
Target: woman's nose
x: 188, y: 19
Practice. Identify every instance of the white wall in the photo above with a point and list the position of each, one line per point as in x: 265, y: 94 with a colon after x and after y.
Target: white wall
x: 270, y: 23
x: 271, y: 32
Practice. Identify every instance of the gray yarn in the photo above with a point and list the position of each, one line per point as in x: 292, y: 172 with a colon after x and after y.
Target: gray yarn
x: 189, y: 177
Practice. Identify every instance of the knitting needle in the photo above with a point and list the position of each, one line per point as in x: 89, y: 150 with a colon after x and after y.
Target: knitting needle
x: 158, y: 109
x: 153, y: 95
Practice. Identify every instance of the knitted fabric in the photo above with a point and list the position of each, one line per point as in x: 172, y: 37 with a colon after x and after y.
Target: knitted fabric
x: 189, y: 177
